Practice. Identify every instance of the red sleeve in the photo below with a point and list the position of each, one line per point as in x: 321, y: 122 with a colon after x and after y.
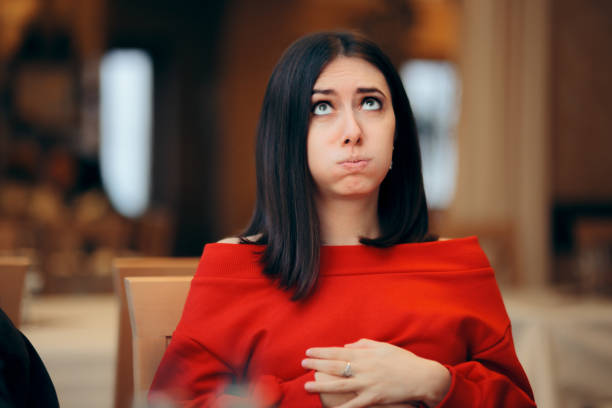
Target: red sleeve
x: 189, y: 375
x: 492, y: 378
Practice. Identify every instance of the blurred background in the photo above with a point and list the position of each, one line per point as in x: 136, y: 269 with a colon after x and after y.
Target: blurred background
x: 127, y: 129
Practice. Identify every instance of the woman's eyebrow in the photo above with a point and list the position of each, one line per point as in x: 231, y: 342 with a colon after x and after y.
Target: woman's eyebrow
x: 359, y: 90
x: 323, y: 91
x: 370, y: 90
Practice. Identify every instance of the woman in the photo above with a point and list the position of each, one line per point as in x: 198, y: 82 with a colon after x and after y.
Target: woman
x: 333, y: 296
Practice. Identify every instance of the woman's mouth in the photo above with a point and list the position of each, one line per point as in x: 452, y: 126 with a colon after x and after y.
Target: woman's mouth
x: 354, y: 164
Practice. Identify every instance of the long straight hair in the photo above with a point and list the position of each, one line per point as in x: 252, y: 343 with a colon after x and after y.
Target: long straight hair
x: 285, y: 217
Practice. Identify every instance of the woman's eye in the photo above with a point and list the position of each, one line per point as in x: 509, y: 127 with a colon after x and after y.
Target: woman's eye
x: 371, y: 104
x: 322, y: 108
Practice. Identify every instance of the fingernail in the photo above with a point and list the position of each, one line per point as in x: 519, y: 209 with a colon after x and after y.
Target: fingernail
x: 304, y: 362
x: 308, y: 386
x: 308, y: 352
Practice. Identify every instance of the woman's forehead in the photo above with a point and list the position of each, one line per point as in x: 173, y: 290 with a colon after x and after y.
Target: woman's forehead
x: 350, y: 71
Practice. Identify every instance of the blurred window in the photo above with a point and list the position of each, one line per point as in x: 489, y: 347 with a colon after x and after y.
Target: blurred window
x: 433, y: 89
x: 126, y: 91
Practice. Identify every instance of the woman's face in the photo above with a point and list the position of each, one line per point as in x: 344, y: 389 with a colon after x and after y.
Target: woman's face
x: 352, y: 127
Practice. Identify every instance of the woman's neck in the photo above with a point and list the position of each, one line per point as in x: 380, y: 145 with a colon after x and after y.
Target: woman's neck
x: 344, y: 221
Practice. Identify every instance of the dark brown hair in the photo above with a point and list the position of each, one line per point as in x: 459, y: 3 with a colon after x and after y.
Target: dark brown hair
x: 285, y: 214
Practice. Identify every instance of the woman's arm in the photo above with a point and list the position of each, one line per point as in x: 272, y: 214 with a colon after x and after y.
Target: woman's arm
x: 493, y: 377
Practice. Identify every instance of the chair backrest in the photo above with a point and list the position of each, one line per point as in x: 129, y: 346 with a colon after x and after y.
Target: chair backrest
x: 132, y: 267
x: 155, y: 305
x: 12, y: 280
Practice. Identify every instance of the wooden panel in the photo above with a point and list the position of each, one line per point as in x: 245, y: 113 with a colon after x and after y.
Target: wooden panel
x: 130, y: 267
x: 581, y: 64
x: 503, y: 131
x: 155, y: 305
x: 435, y: 33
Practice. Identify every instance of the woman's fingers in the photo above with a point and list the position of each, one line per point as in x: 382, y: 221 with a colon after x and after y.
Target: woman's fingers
x: 330, y: 353
x: 360, y: 401
x: 406, y: 405
x: 365, y: 400
x: 362, y: 343
x: 333, y: 367
x: 334, y: 386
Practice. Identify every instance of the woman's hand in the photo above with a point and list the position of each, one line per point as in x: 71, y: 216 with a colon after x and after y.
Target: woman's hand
x: 329, y: 400
x: 381, y: 374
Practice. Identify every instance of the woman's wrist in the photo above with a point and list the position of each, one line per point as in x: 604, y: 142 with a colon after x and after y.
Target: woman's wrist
x: 438, y: 380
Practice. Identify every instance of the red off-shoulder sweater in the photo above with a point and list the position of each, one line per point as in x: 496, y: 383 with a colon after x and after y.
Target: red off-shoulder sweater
x: 438, y: 299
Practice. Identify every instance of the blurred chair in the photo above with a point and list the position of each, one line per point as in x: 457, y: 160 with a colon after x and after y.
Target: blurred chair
x: 12, y: 280
x: 133, y: 267
x: 155, y: 305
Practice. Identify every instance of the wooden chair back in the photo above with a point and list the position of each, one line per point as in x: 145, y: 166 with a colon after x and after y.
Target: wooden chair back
x: 133, y: 267
x: 155, y: 305
x: 12, y: 280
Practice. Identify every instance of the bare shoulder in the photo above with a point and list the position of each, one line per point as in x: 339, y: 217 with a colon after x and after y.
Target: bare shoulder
x: 229, y: 240
x: 236, y: 240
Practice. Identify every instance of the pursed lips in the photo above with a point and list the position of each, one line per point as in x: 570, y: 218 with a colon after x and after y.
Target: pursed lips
x: 356, y: 163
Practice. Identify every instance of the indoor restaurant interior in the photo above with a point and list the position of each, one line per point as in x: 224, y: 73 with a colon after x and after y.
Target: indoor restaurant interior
x: 127, y: 139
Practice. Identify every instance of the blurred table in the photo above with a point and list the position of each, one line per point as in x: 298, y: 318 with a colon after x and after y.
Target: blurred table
x: 565, y: 345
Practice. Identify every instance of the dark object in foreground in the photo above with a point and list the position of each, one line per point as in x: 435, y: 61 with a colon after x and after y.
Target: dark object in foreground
x: 24, y: 381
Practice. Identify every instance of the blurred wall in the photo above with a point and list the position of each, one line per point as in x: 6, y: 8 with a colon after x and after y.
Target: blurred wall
x: 581, y: 101
x: 183, y: 40
x: 534, y: 129
x: 581, y: 62
x: 503, y: 135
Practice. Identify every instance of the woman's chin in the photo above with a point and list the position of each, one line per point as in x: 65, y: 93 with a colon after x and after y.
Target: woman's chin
x: 349, y: 188
x: 356, y: 192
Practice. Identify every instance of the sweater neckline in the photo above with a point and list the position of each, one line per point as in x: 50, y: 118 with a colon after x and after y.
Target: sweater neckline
x: 447, y: 255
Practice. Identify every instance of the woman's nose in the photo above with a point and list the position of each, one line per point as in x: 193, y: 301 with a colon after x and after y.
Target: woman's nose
x: 352, y: 130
